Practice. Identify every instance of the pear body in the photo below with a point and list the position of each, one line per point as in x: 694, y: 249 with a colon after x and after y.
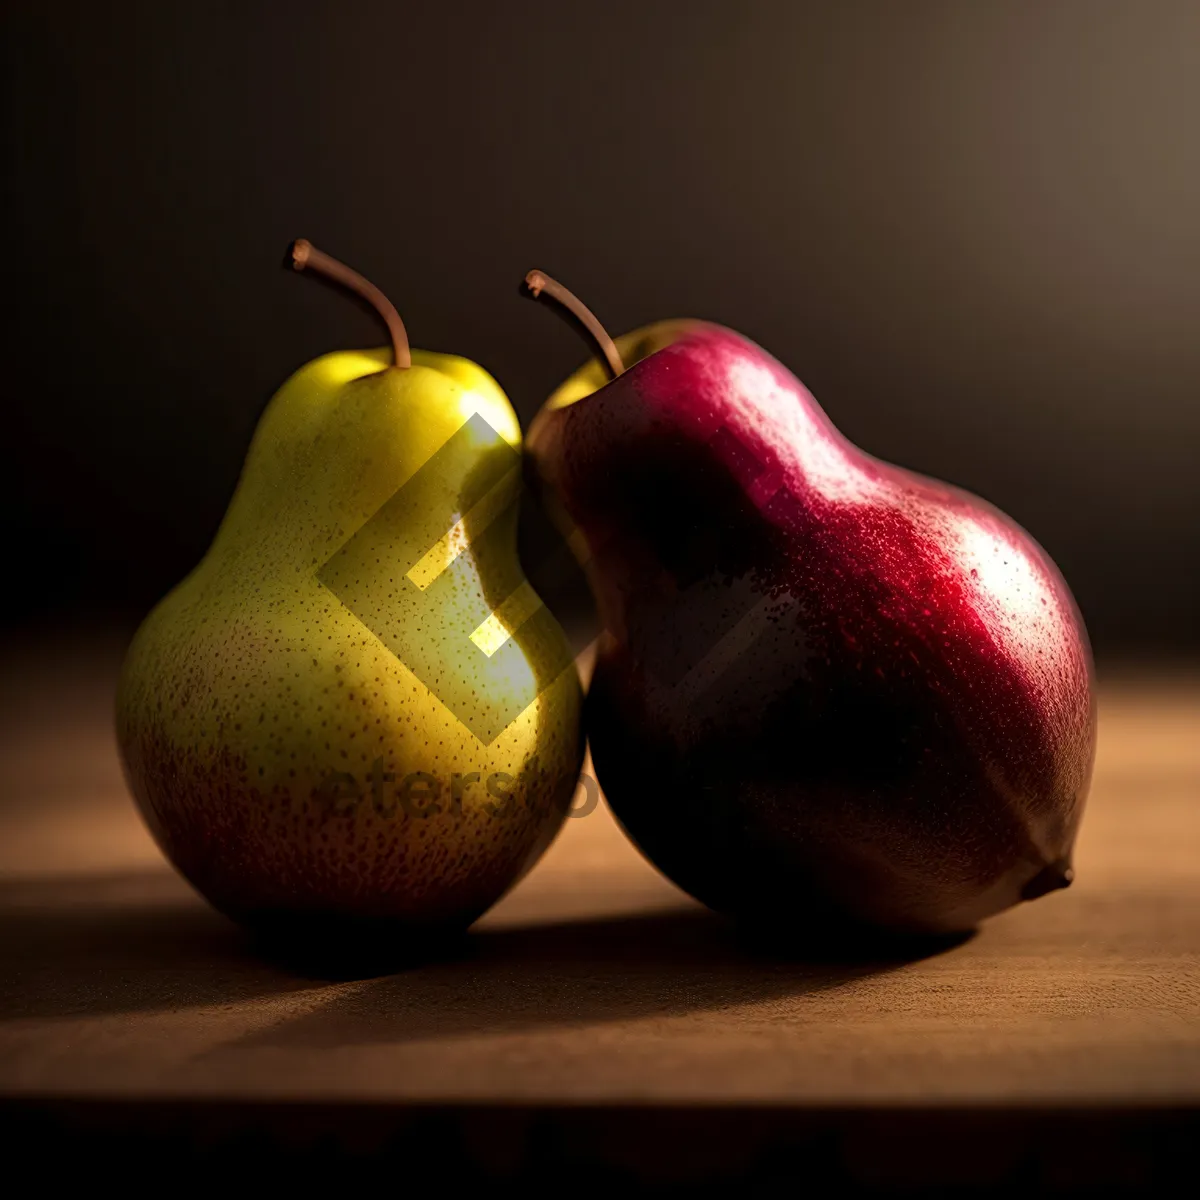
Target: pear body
x: 309, y: 729
x: 828, y: 689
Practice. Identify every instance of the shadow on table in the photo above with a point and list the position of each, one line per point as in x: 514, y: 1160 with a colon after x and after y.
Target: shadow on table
x: 140, y: 943
x: 127, y: 942
x: 585, y: 972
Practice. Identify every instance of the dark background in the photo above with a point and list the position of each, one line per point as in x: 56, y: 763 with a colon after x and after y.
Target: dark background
x: 973, y: 229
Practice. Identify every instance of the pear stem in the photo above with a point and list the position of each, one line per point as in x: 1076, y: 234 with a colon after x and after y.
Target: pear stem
x: 305, y: 256
x: 538, y: 282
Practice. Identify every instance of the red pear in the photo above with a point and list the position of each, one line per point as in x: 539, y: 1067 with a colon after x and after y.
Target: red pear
x: 828, y: 688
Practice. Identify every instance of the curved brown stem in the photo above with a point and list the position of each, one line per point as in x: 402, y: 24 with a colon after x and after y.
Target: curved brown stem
x: 538, y: 282
x: 306, y: 257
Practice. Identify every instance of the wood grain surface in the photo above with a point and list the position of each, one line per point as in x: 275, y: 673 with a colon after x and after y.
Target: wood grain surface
x: 594, y: 982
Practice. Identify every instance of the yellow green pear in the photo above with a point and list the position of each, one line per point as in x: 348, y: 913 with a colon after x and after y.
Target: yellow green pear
x: 355, y: 709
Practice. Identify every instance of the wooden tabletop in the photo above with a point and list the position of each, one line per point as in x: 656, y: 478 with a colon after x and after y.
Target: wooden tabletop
x: 595, y: 984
